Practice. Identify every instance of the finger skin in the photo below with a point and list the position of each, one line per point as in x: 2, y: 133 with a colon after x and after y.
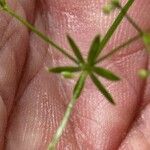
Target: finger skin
x: 95, y: 124
x: 13, y: 44
x: 3, y: 118
x: 139, y: 136
x: 29, y: 7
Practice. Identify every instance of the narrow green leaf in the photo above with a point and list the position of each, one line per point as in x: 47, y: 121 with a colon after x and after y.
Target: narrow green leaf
x: 2, y: 3
x: 94, y: 49
x: 75, y: 49
x: 118, y: 48
x: 114, y: 26
x: 44, y: 37
x: 64, y: 69
x: 102, y: 89
x: 146, y: 40
x: 79, y: 85
x: 106, y: 73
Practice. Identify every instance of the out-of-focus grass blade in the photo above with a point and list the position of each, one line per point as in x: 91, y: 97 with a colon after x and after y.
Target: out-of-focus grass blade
x: 101, y: 88
x: 79, y: 85
x: 2, y: 3
x: 75, y: 49
x: 146, y: 40
x: 94, y: 50
x: 106, y: 73
x: 64, y: 69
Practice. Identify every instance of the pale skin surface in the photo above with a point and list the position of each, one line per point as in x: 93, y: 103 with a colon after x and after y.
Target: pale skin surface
x: 32, y: 100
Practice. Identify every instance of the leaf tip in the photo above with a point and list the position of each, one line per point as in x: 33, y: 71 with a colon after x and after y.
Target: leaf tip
x: 47, y: 69
x: 98, y: 37
x: 118, y: 78
x: 113, y: 102
x: 111, y: 99
x: 69, y: 38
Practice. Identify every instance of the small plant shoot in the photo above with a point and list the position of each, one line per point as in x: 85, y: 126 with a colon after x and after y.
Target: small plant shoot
x: 90, y: 66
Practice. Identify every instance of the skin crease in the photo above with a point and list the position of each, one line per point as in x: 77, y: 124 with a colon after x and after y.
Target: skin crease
x: 33, y: 100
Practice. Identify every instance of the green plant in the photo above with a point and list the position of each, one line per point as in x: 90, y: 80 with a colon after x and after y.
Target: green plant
x: 87, y: 67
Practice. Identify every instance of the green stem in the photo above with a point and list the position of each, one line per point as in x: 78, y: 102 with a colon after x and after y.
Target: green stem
x: 134, y: 24
x: 131, y: 21
x: 118, y: 48
x: 40, y: 34
x: 115, y: 25
x: 63, y: 124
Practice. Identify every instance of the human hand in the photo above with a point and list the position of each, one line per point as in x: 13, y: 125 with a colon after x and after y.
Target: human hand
x: 33, y: 101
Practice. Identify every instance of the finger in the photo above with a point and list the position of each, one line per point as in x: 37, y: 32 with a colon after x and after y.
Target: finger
x: 14, y: 41
x: 3, y: 118
x: 139, y: 136
x: 94, y: 121
x: 29, y: 8
x: 13, y: 44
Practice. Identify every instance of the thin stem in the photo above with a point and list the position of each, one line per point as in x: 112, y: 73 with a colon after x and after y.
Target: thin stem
x: 115, y: 25
x: 118, y: 48
x: 131, y: 21
x: 57, y: 135
x: 77, y: 91
x: 134, y: 24
x: 37, y: 32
